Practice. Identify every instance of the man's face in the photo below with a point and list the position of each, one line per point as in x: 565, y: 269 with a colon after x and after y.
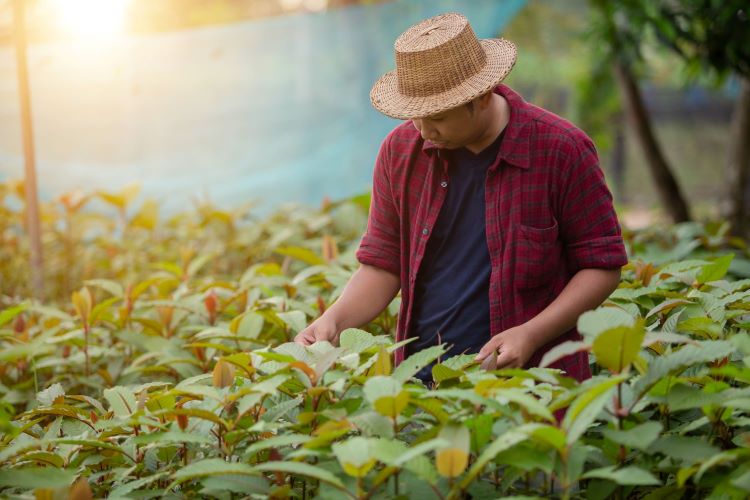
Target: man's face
x: 451, y: 129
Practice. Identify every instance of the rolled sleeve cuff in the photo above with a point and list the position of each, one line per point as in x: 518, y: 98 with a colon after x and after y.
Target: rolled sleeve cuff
x: 374, y: 255
x: 607, y: 252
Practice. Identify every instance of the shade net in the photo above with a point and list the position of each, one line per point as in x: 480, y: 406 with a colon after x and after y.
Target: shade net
x: 270, y: 111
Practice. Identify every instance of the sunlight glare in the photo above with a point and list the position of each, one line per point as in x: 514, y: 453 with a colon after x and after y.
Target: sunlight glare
x: 91, y: 18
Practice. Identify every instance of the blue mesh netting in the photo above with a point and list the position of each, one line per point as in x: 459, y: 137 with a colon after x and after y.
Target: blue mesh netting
x: 272, y: 110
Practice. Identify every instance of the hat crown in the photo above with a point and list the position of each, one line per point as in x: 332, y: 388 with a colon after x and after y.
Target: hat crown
x: 437, y: 55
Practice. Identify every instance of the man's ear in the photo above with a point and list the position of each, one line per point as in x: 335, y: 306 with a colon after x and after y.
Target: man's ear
x: 484, y: 100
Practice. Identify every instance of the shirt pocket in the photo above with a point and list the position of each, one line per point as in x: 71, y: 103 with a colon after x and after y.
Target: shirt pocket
x: 537, y: 256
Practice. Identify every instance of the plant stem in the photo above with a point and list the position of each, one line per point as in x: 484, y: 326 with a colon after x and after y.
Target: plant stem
x: 86, y: 347
x: 622, y: 453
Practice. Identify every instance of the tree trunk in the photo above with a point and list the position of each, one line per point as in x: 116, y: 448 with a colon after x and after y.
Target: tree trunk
x: 33, y: 224
x: 666, y: 184
x: 618, y: 160
x: 739, y: 163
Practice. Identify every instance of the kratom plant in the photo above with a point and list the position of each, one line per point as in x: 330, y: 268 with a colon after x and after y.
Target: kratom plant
x: 168, y: 371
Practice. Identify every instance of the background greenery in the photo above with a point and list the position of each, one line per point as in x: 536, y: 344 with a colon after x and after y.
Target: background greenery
x: 160, y: 365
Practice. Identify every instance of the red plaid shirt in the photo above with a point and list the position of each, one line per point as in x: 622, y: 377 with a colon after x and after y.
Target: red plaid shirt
x: 548, y: 215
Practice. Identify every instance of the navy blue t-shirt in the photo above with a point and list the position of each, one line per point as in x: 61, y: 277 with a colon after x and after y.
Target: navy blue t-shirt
x: 451, y: 296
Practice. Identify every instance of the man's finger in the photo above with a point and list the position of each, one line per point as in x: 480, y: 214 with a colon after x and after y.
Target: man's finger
x: 486, y: 350
x: 305, y: 337
x: 504, y: 360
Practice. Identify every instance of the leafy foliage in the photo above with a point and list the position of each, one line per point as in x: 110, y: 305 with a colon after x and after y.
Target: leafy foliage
x: 193, y: 388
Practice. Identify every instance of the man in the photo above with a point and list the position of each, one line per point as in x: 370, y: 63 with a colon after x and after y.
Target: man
x: 490, y: 215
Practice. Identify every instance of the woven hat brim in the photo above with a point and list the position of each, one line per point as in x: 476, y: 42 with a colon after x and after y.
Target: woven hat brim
x: 385, y: 97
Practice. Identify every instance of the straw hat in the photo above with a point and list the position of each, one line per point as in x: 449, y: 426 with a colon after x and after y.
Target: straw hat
x: 440, y: 64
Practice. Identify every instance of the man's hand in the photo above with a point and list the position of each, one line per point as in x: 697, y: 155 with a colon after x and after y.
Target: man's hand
x: 368, y: 292
x: 585, y: 291
x: 322, y: 328
x: 513, y: 348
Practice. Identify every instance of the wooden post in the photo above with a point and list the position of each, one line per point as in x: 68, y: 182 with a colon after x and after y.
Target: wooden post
x: 32, y: 202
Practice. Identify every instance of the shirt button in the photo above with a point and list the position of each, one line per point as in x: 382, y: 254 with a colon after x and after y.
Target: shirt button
x: 444, y: 184
x: 425, y: 231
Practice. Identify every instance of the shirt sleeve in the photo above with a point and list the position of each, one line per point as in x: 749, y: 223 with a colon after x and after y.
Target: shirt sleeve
x: 588, y: 222
x: 380, y: 245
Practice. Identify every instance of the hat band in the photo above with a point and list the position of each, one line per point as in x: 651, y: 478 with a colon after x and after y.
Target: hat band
x: 442, y: 68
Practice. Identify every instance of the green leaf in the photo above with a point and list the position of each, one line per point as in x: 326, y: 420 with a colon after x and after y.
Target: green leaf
x: 684, y: 397
x: 58, y: 410
x: 505, y: 441
x: 197, y: 263
x: 742, y: 342
x: 616, y: 348
x: 453, y: 458
x: 639, y: 437
x: 689, y: 450
x: 305, y: 255
x: 701, y: 325
x: 716, y: 270
x: 25, y: 351
x: 121, y: 401
x: 742, y: 481
x: 250, y: 325
x: 432, y: 406
x: 480, y: 430
x: 527, y: 402
x: 296, y: 351
x: 382, y: 364
x: 212, y: 467
x: 43, y: 457
x: 50, y: 312
x: 123, y: 490
x: 587, y: 406
x: 10, y: 314
x: 113, y: 287
x: 296, y: 320
x: 386, y: 395
x: 424, y: 469
x: 355, y: 455
x: 301, y: 469
x: 276, y: 442
x: 441, y: 373
x: 686, y: 356
x: 281, y: 409
x: 411, y: 365
x: 552, y: 436
x: 37, y: 477
x: 528, y: 456
x: 667, y: 305
x: 460, y: 361
x: 419, y: 450
x: 373, y: 424
x: 172, y: 437
x: 665, y: 337
x: 388, y: 451
x: 245, y: 485
x: 193, y: 412
x: 355, y: 340
x: 592, y: 323
x: 89, y: 443
x: 47, y: 397
x: 630, y: 475
x: 561, y: 350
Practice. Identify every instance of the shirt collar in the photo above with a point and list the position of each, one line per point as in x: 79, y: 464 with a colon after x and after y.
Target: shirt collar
x: 515, y: 146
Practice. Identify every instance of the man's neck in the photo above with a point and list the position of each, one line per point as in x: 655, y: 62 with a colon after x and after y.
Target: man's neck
x: 498, y: 117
